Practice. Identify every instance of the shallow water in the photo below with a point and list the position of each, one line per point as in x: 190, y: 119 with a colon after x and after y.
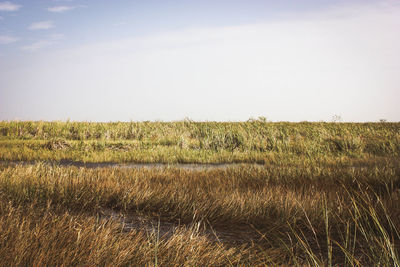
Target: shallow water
x: 92, y: 165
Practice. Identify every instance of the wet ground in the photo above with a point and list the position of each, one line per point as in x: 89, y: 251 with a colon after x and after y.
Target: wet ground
x: 164, y: 228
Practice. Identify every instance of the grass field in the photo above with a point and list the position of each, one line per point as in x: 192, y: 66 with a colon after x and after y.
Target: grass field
x: 195, y: 142
x: 322, y: 194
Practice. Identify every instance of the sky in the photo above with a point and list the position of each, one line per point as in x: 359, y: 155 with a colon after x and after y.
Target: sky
x: 209, y: 60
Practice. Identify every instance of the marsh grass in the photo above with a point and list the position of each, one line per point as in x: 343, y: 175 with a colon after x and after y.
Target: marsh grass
x: 303, y: 215
x: 194, y: 142
x: 35, y: 236
x: 326, y: 194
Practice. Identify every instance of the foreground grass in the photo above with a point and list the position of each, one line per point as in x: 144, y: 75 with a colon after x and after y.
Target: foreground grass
x: 32, y: 236
x: 195, y: 142
x: 306, y: 214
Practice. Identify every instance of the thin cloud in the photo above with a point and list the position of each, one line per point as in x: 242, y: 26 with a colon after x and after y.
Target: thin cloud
x: 41, y: 25
x: 121, y: 23
x: 8, y: 6
x: 60, y: 9
x: 1, y: 18
x: 5, y: 39
x: 37, y: 46
x: 58, y: 36
x: 40, y: 44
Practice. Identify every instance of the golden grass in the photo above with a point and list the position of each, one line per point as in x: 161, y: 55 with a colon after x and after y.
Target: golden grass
x: 32, y: 236
x: 299, y: 215
x: 326, y: 194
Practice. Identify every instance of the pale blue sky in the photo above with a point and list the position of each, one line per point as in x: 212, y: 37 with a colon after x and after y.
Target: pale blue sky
x: 103, y: 60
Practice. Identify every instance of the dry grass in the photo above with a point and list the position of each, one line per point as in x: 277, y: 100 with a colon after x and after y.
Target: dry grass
x: 33, y: 236
x: 299, y: 215
x: 327, y: 194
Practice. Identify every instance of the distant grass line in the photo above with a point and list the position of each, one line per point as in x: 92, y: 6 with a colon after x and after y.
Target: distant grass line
x: 195, y: 142
x: 302, y: 215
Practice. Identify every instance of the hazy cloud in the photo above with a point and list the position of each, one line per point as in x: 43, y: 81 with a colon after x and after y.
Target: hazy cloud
x: 120, y: 23
x: 8, y: 6
x: 41, y: 25
x: 40, y: 44
x: 58, y: 36
x: 60, y: 9
x: 5, y: 39
x: 37, y: 46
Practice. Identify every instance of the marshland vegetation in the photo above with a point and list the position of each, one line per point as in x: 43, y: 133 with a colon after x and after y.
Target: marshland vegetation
x: 323, y: 194
x: 195, y: 142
